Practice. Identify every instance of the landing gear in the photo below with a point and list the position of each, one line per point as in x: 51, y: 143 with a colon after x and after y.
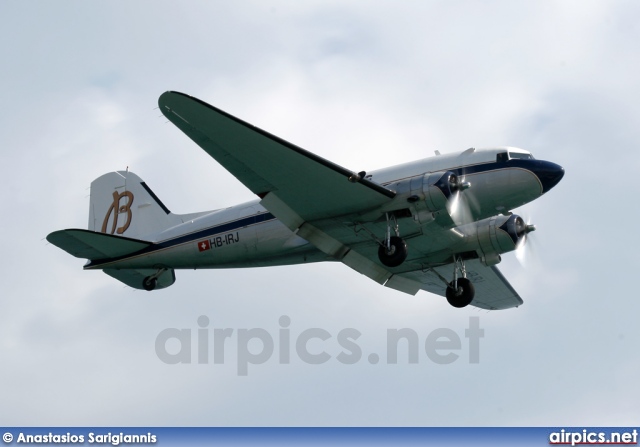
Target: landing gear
x: 462, y: 294
x: 149, y: 283
x: 393, y: 251
x: 460, y: 291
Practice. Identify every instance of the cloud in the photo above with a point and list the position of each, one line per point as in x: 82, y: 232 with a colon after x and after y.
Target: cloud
x: 365, y: 85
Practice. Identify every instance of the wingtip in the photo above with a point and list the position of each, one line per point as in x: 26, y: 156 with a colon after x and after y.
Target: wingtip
x: 163, y: 98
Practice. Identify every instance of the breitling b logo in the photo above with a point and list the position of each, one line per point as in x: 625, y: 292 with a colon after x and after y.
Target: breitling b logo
x: 117, y: 209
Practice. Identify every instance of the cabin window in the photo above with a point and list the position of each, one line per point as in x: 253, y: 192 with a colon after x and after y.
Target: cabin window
x: 502, y: 157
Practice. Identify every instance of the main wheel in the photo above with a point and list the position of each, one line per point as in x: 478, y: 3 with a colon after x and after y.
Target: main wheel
x: 396, y: 254
x: 463, y: 295
x: 149, y: 283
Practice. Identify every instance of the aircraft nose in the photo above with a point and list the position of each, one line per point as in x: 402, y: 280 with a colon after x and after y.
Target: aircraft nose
x: 549, y: 174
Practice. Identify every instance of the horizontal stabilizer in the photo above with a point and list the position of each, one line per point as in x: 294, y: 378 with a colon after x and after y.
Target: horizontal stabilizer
x: 135, y: 277
x: 91, y: 245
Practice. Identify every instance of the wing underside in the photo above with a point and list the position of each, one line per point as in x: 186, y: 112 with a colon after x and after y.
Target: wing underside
x: 493, y: 291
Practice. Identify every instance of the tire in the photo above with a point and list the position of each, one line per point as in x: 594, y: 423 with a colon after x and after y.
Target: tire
x: 395, y: 256
x: 463, y: 296
x: 149, y: 284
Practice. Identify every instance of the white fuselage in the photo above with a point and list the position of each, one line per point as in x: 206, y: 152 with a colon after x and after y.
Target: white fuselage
x: 247, y: 235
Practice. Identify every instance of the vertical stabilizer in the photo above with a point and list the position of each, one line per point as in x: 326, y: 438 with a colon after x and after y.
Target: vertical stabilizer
x: 123, y: 205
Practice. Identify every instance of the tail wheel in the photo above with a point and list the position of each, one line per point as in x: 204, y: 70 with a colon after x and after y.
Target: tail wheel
x: 396, y: 254
x: 149, y: 283
x: 463, y: 295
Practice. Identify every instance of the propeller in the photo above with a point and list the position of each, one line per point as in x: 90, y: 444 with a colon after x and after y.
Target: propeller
x: 523, y: 229
x: 462, y: 203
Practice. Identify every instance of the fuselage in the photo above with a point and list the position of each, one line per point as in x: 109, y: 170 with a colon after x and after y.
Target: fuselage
x: 248, y: 235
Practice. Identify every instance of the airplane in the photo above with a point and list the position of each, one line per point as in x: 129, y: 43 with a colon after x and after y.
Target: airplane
x: 439, y: 224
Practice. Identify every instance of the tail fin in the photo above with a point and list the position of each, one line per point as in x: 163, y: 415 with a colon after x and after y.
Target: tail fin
x: 122, y: 204
x: 124, y: 216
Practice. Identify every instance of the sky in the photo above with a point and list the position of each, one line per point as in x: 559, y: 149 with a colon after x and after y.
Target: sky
x: 365, y: 85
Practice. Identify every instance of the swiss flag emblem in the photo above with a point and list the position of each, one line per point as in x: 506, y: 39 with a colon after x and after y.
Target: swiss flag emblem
x: 204, y: 245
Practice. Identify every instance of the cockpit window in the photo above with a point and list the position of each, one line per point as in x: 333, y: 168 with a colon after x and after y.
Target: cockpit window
x: 506, y: 156
x: 520, y: 156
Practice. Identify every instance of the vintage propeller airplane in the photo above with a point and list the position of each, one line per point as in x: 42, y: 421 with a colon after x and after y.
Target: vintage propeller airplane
x: 438, y: 224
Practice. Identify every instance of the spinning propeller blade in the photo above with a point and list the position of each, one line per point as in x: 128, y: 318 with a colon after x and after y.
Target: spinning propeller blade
x: 461, y: 203
x: 524, y: 247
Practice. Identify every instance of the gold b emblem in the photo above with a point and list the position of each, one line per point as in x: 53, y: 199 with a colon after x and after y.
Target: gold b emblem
x: 116, y: 209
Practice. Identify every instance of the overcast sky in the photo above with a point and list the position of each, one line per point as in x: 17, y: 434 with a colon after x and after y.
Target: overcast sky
x: 366, y: 85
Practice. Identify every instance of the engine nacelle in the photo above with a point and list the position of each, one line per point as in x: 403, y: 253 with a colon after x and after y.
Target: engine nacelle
x: 426, y: 196
x: 437, y: 188
x: 499, y: 235
x: 430, y: 193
